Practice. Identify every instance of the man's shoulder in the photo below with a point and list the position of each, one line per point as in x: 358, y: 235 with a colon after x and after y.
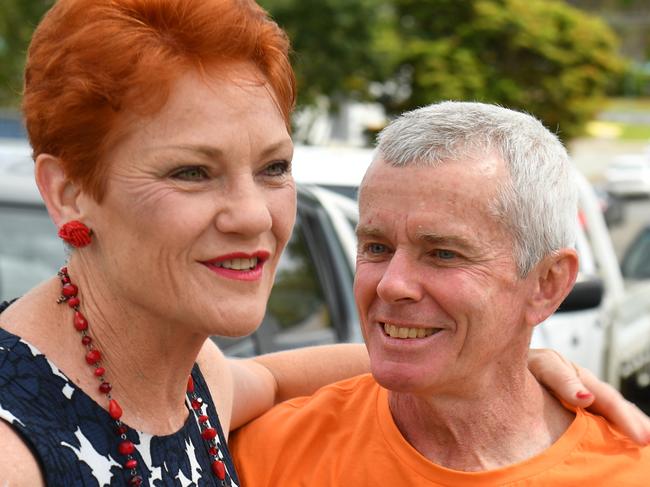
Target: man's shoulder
x: 600, y: 432
x: 602, y: 444
x: 326, y: 408
x: 303, y: 441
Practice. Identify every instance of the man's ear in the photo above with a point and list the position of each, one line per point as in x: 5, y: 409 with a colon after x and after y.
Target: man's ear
x: 61, y: 196
x: 554, y: 278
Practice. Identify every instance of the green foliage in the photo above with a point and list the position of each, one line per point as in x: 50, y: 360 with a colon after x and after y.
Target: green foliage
x: 18, y: 18
x: 636, y: 80
x: 541, y: 56
x: 331, y: 41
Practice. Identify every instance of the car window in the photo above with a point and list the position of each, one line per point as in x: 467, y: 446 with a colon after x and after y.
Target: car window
x: 30, y: 250
x: 636, y: 263
x: 297, y: 307
x: 12, y: 127
x: 587, y: 265
x: 297, y: 313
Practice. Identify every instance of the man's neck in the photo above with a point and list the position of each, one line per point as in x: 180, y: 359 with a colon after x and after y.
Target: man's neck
x: 474, y: 432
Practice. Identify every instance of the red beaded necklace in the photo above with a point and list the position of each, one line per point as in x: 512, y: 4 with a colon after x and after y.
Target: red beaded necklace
x: 69, y: 295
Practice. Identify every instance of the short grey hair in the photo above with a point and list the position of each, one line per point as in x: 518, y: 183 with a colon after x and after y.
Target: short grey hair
x: 539, y: 201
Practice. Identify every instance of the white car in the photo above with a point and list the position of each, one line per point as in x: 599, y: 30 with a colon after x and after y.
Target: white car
x: 629, y: 175
x: 312, y: 300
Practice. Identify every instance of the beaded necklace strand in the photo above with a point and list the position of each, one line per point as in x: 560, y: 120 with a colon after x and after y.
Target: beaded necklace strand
x: 70, y: 295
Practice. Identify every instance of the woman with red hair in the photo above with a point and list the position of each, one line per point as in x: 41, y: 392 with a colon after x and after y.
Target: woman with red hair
x: 160, y: 131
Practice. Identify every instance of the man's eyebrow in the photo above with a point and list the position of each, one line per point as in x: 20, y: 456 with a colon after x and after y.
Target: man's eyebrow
x: 368, y: 231
x: 456, y: 241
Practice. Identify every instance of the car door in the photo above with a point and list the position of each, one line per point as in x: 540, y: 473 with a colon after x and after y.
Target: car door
x: 311, y: 302
x: 30, y: 250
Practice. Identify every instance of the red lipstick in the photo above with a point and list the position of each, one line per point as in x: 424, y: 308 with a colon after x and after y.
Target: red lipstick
x: 239, y: 266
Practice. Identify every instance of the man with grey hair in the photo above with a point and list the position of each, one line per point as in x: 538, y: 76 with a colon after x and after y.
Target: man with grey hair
x: 466, y: 232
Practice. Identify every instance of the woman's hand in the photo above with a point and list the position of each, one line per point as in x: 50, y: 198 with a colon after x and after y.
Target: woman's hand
x: 580, y: 387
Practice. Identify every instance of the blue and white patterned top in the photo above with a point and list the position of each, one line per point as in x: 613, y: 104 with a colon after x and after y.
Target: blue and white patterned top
x: 73, y: 439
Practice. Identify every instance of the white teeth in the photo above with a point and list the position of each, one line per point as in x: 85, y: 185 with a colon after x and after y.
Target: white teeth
x: 239, y: 264
x: 404, y: 332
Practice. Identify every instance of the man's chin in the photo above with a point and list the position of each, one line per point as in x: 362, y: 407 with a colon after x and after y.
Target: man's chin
x: 404, y: 379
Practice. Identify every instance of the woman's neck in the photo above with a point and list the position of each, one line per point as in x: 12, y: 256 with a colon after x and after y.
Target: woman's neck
x: 147, y: 359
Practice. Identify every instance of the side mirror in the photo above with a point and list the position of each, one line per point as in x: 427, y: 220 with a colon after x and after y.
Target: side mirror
x: 585, y: 294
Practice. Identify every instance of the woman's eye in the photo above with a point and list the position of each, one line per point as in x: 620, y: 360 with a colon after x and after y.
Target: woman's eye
x: 193, y: 173
x: 276, y: 169
x: 445, y: 254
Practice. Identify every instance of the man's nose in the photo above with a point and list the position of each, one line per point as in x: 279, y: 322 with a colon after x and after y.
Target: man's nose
x: 245, y: 209
x: 401, y: 280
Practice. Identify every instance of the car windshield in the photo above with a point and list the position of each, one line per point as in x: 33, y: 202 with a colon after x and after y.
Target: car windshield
x: 636, y: 264
x: 30, y: 251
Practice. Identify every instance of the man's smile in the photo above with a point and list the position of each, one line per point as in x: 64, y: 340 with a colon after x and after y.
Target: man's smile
x: 395, y: 331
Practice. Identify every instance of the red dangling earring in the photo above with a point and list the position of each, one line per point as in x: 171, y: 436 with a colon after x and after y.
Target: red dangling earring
x: 75, y: 233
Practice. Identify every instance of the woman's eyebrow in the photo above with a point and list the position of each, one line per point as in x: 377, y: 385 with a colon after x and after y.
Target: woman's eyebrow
x: 207, y: 151
x: 214, y: 152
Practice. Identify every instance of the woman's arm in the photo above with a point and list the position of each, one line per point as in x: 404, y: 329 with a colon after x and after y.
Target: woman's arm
x: 18, y: 467
x: 579, y: 387
x: 263, y: 381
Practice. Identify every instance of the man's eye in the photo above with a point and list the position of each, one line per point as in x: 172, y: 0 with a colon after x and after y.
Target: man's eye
x: 375, y: 248
x: 445, y: 254
x: 192, y: 173
x: 276, y: 169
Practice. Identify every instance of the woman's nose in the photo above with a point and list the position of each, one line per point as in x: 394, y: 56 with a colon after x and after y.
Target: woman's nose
x: 245, y: 210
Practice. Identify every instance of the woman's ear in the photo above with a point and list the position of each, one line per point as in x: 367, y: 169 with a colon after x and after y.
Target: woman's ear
x: 555, y: 277
x: 60, y: 194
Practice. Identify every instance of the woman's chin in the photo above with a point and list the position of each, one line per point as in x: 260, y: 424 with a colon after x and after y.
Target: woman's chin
x: 240, y: 325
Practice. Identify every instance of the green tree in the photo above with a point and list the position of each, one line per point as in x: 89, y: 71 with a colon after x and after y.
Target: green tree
x: 541, y: 56
x: 18, y: 18
x: 332, y: 43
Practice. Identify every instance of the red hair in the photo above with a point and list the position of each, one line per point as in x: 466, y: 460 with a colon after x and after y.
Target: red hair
x: 91, y: 60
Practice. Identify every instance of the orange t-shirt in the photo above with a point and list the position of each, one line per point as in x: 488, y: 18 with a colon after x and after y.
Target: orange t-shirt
x: 344, y: 436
